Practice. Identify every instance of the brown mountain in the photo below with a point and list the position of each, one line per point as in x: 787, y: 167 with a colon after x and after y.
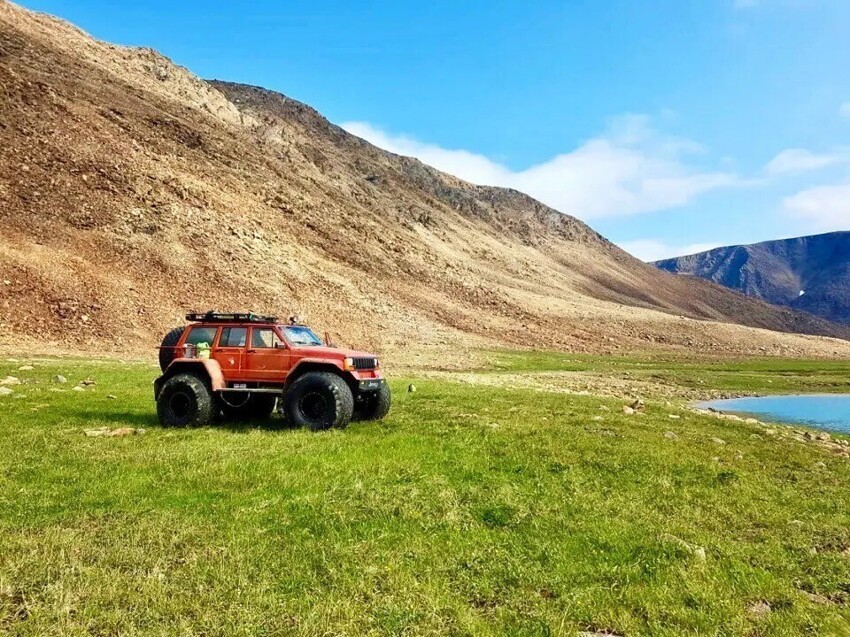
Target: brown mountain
x: 130, y: 191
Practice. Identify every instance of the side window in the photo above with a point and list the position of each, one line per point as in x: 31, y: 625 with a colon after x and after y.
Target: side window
x: 201, y: 335
x: 233, y: 337
x: 264, y: 337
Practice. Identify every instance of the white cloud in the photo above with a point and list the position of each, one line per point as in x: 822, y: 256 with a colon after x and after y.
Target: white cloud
x: 844, y: 109
x: 464, y: 164
x: 795, y: 160
x: 653, y: 250
x: 825, y: 207
x: 631, y: 169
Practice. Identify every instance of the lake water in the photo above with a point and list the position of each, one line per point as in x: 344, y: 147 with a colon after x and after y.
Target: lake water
x: 824, y: 411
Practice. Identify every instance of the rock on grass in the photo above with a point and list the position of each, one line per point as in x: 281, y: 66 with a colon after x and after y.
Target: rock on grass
x: 759, y: 608
x: 113, y: 433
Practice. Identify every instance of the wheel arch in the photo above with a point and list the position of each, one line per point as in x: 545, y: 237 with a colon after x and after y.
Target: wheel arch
x: 319, y: 365
x: 207, y: 369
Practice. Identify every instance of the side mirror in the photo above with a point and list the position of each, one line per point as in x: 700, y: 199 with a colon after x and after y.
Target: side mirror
x: 280, y: 345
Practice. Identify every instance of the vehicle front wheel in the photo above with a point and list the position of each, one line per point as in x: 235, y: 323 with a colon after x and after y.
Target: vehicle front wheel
x: 374, y: 405
x: 185, y: 401
x: 319, y: 400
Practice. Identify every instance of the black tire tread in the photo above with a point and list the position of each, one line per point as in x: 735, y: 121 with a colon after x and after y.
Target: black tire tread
x: 204, y: 402
x: 376, y: 406
x: 343, y: 398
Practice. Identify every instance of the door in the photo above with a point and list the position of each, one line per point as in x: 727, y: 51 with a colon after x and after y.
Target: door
x: 230, y: 350
x: 267, y: 357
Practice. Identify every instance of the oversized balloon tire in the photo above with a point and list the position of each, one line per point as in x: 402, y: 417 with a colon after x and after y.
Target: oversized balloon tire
x: 319, y: 400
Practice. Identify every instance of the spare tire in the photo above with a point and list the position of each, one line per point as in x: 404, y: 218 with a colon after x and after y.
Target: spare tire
x: 167, y: 353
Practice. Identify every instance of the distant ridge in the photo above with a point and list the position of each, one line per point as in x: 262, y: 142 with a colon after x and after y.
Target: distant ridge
x: 811, y: 274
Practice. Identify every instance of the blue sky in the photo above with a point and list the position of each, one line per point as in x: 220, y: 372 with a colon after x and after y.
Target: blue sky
x: 669, y: 126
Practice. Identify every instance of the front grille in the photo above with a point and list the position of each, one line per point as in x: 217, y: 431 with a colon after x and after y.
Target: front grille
x: 365, y: 363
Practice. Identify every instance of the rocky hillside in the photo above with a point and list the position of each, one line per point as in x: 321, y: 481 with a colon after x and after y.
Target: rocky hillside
x: 811, y: 274
x: 131, y: 191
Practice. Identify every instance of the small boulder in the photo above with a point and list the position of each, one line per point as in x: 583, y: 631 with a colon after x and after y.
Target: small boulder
x: 10, y: 380
x: 718, y: 441
x: 59, y: 378
x: 814, y: 598
x: 113, y: 433
x: 78, y: 388
x: 671, y: 435
x: 87, y: 382
x: 628, y: 410
x: 124, y: 431
x: 411, y: 388
x: 759, y: 608
x: 638, y: 405
x: 5, y: 391
x: 674, y: 416
x: 695, y: 551
x: 26, y: 368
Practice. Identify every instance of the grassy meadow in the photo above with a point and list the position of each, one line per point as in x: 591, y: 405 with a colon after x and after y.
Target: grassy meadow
x: 471, y: 510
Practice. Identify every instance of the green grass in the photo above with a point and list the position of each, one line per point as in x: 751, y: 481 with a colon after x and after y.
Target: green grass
x: 469, y: 511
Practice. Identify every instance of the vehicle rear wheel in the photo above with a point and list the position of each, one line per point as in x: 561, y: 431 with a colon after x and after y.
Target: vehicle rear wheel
x: 375, y: 405
x: 167, y: 351
x: 247, y: 406
x: 185, y: 401
x: 319, y: 400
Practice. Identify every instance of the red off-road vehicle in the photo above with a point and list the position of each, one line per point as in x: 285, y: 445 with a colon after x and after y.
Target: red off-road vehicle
x: 241, y: 365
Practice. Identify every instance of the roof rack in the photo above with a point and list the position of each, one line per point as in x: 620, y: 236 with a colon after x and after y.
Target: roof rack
x: 229, y: 317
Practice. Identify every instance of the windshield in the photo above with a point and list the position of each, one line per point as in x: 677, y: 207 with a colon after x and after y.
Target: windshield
x: 299, y: 335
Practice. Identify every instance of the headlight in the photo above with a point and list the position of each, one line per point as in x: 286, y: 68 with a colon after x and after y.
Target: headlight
x: 348, y: 364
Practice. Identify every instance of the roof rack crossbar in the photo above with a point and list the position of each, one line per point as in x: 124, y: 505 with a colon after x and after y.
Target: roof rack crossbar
x: 229, y: 317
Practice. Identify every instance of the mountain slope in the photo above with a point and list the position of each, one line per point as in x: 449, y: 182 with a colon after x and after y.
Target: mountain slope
x: 811, y: 274
x: 131, y: 191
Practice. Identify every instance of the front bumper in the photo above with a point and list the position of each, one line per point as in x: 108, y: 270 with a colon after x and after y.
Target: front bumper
x: 370, y: 384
